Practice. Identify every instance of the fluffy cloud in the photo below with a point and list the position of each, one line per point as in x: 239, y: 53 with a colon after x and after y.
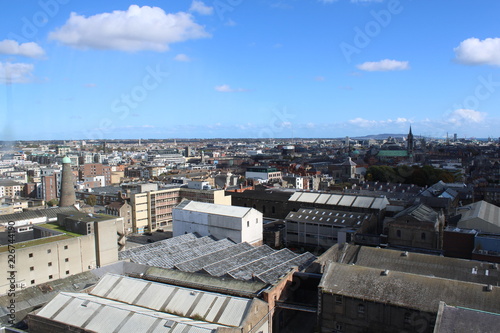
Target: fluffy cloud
x: 182, y: 57
x: 227, y: 88
x: 384, y: 66
x: 473, y: 51
x: 16, y: 73
x: 31, y: 49
x: 200, y: 8
x: 136, y: 29
x: 465, y: 116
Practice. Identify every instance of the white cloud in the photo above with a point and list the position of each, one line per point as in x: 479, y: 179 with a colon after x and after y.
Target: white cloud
x: 361, y: 122
x: 16, y: 73
x: 200, y: 8
x: 136, y: 29
x: 465, y: 116
x: 31, y: 49
x: 384, y: 65
x: 227, y: 88
x: 182, y: 57
x: 473, y: 51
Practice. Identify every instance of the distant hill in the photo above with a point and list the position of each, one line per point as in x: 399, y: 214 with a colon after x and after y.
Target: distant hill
x: 380, y: 136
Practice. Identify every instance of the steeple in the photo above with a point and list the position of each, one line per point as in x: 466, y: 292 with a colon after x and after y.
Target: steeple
x: 410, y: 143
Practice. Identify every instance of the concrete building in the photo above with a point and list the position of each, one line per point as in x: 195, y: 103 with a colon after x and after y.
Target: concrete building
x: 124, y: 210
x: 220, y: 221
x: 265, y: 173
x: 153, y: 209
x: 77, y: 243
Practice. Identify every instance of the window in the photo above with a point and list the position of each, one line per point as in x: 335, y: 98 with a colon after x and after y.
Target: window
x: 248, y: 223
x: 338, y: 299
x: 422, y: 236
x: 32, y: 281
x: 50, y: 277
x: 361, y: 310
x: 398, y: 233
x: 30, y: 255
x: 65, y: 247
x: 338, y: 328
x: 256, y: 220
x: 273, y: 209
x: 49, y: 250
x: 49, y: 264
x: 66, y: 259
x: 407, y: 320
x: 67, y: 272
x: 32, y: 268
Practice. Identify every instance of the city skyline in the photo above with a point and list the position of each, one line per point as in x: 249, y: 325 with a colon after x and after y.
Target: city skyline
x: 241, y: 69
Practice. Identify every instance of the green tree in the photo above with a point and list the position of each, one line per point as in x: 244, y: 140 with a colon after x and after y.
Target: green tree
x: 91, y: 200
x: 52, y: 202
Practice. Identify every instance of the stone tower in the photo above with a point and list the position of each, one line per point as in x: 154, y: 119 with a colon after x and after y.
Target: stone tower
x: 68, y: 197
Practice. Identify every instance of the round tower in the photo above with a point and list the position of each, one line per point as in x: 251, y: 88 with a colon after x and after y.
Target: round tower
x: 68, y: 197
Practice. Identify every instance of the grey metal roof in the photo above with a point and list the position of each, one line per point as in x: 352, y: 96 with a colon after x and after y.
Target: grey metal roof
x: 185, y: 302
x: 345, y: 200
x: 197, y: 264
x: 222, y: 267
x: 411, y: 291
x: 420, y: 212
x: 217, y: 258
x: 105, y: 315
x: 328, y: 217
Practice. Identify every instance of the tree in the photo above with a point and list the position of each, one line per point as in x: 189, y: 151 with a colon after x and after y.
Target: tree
x: 52, y: 202
x: 91, y: 200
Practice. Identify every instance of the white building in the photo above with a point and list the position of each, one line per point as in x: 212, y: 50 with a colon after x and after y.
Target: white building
x: 239, y: 224
x: 263, y: 172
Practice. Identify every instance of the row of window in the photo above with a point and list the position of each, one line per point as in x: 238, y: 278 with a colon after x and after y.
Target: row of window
x: 30, y: 255
x: 50, y: 277
x: 32, y: 268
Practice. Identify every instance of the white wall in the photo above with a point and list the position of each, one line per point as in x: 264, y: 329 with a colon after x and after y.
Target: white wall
x: 247, y: 229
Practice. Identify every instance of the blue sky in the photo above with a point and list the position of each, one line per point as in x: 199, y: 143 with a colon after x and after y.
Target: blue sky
x: 239, y: 68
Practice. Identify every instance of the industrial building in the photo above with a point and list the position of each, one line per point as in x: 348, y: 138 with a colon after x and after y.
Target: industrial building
x: 239, y: 224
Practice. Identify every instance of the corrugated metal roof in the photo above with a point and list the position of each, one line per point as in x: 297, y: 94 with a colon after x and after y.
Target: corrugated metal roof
x: 347, y: 200
x: 323, y: 198
x: 363, y: 202
x: 104, y: 315
x: 167, y: 298
x: 295, y: 196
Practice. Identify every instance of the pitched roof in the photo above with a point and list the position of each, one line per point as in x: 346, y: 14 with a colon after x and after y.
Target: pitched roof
x: 412, y: 291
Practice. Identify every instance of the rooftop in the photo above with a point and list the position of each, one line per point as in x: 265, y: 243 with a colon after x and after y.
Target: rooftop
x: 413, y: 291
x: 214, y: 209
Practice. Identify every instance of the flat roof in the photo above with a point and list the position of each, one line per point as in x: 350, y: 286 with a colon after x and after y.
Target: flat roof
x: 215, y: 209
